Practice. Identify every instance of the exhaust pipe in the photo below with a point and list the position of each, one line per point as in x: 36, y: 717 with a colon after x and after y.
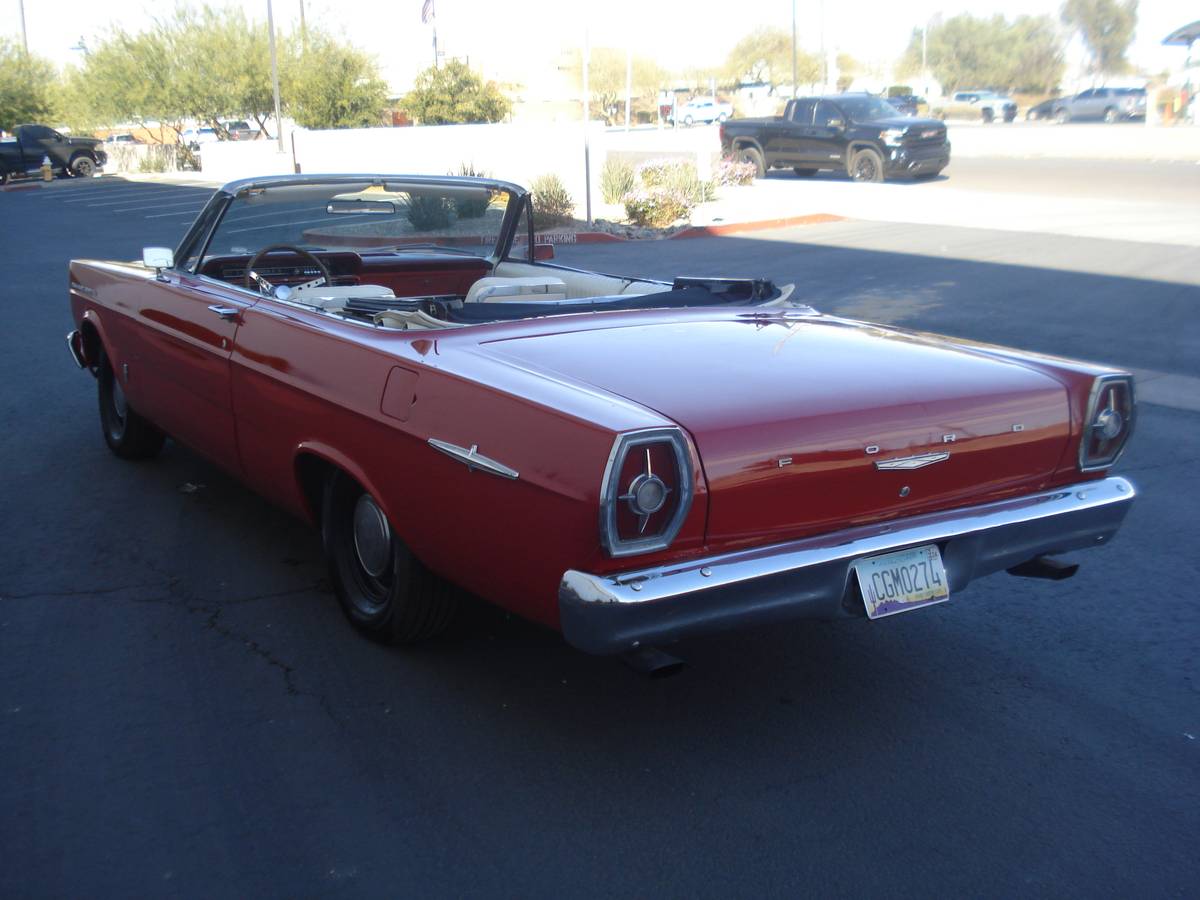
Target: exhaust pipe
x: 1045, y: 567
x: 652, y: 661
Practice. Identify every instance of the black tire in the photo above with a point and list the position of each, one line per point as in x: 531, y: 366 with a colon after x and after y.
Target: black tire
x: 127, y: 434
x: 988, y: 116
x: 83, y: 166
x: 721, y: 118
x: 752, y: 155
x: 865, y: 165
x: 385, y: 591
x: 1110, y: 115
x: 1062, y: 117
x: 804, y: 173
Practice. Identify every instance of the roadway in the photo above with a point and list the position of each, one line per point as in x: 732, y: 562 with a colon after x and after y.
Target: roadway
x: 183, y: 710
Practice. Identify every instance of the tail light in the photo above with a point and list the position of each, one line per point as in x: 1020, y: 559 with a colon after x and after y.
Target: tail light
x: 1110, y: 414
x: 646, y: 492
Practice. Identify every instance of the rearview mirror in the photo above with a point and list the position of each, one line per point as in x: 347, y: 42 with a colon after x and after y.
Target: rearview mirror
x: 543, y: 251
x: 158, y: 258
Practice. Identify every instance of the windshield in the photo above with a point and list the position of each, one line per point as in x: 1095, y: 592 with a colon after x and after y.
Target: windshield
x: 362, y: 215
x: 865, y: 109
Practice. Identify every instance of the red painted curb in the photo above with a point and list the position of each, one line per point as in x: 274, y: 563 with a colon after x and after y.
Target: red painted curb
x: 696, y: 231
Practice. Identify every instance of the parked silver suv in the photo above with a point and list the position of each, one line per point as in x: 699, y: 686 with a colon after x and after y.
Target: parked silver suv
x: 1103, y: 103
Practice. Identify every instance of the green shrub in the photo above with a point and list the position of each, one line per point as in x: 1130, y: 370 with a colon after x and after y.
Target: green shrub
x: 657, y: 207
x: 428, y: 212
x: 617, y: 179
x: 551, y: 201
x: 471, y: 207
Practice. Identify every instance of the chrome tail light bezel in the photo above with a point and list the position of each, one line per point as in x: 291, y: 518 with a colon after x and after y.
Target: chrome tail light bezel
x: 1099, y: 389
x: 610, y: 491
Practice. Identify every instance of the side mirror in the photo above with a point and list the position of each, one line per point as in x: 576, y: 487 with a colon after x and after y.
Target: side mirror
x: 836, y: 123
x: 543, y: 251
x: 158, y: 258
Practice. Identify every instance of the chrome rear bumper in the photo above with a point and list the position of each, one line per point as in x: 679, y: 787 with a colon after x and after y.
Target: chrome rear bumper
x: 812, y: 577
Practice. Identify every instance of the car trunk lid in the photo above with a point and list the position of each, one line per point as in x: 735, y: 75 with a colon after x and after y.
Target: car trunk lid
x: 803, y: 424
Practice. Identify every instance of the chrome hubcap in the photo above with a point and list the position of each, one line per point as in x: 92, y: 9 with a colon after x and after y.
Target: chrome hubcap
x: 372, y: 537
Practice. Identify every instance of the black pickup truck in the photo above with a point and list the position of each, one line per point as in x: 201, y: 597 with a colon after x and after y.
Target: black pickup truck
x: 24, y: 153
x: 859, y: 134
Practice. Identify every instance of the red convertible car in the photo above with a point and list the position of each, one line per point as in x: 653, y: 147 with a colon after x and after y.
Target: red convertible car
x: 630, y: 461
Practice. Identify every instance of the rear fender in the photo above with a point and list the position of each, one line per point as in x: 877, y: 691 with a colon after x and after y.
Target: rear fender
x: 335, y: 458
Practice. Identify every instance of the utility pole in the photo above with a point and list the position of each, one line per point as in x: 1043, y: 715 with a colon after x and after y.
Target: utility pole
x: 628, y: 80
x: 303, y: 27
x: 587, y: 149
x: 274, y: 75
x: 24, y: 39
x: 793, y: 49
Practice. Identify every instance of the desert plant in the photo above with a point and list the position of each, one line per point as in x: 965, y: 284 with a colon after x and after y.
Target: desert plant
x: 551, y: 200
x: 474, y: 206
x: 679, y: 175
x: 617, y: 179
x: 734, y: 171
x: 657, y: 207
x: 428, y: 212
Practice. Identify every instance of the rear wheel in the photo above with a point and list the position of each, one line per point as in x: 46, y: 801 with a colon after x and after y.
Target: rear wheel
x: 988, y: 116
x: 753, y: 156
x: 83, y: 167
x: 866, y: 165
x: 804, y: 173
x: 385, y: 591
x: 127, y: 434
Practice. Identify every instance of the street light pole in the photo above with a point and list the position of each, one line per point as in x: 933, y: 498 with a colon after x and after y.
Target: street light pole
x: 274, y: 75
x: 24, y: 39
x: 793, y: 49
x: 628, y: 80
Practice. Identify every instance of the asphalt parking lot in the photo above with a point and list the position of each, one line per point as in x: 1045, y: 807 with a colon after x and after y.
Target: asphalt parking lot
x: 183, y: 710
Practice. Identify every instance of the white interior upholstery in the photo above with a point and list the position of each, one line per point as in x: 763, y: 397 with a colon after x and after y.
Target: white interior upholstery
x: 521, y: 289
x: 583, y: 284
x: 334, y: 297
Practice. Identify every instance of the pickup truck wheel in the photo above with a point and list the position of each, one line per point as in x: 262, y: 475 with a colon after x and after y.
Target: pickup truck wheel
x: 127, y: 434
x: 866, y: 165
x: 687, y: 121
x: 1110, y: 115
x: 751, y: 155
x: 988, y: 116
x: 83, y: 167
x: 804, y: 173
x: 385, y: 591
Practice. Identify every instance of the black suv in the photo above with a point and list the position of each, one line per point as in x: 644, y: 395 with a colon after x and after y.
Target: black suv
x: 860, y: 134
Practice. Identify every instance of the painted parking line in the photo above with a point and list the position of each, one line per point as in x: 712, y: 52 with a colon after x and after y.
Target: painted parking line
x: 136, y: 202
x: 107, y: 198
x: 178, y: 212
x: 277, y: 224
x: 163, y: 204
x: 75, y: 196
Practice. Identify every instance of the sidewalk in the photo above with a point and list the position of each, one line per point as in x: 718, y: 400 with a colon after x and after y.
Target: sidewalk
x: 941, y: 203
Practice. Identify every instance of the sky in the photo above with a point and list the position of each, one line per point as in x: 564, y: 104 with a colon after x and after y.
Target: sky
x: 677, y: 33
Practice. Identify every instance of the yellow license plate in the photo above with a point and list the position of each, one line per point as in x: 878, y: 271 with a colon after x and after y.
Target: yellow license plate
x: 900, y: 581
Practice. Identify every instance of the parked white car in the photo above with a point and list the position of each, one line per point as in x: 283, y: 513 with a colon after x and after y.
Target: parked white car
x: 701, y: 109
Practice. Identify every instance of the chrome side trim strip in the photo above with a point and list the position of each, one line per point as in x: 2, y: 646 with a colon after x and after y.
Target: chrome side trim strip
x: 474, y: 459
x: 913, y: 462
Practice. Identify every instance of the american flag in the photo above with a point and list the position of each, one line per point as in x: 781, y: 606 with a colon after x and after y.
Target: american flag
x: 427, y: 12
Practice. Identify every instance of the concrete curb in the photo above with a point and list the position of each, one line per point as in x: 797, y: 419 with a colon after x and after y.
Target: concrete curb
x: 9, y: 188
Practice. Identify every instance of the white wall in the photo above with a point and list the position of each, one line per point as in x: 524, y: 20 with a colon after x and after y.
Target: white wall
x: 512, y: 152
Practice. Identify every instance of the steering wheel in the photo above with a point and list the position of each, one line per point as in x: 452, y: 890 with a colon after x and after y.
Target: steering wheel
x: 253, y: 279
